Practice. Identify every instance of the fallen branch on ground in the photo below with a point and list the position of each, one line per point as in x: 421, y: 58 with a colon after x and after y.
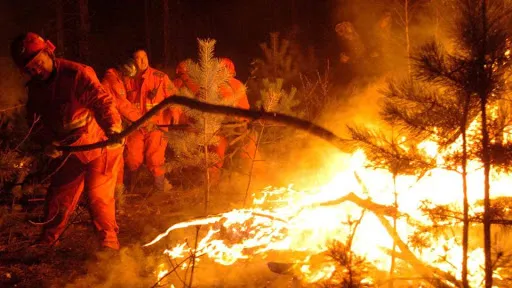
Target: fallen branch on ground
x: 405, y: 253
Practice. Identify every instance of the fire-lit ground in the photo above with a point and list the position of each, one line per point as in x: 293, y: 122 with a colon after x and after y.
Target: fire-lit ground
x: 75, y: 264
x: 286, y: 228
x: 298, y: 226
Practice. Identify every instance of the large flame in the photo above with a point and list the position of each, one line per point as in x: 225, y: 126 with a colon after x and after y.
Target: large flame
x: 306, y: 222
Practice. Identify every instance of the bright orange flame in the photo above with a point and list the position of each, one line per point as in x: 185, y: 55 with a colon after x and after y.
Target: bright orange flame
x: 284, y: 219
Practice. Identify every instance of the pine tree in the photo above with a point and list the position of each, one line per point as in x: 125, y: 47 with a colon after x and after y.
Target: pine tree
x: 193, y: 146
x: 426, y: 110
x: 283, y: 59
x: 452, y: 89
x: 396, y: 155
x: 286, y: 65
x: 477, y: 67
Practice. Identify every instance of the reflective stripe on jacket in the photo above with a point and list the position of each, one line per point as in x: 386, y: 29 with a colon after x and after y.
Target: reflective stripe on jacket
x: 74, y: 108
x: 148, y: 91
x: 114, y: 84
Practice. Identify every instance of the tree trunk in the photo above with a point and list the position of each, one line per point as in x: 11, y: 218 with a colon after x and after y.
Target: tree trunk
x: 407, y: 40
x: 436, y: 33
x: 147, y: 28
x: 293, y: 10
x: 486, y: 159
x: 465, y: 227
x: 59, y: 25
x: 393, y: 251
x: 83, y: 42
x: 166, y: 32
x: 253, y: 160
x: 487, y: 216
x: 207, y: 166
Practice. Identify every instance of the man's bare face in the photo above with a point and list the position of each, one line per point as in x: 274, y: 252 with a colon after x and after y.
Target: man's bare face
x: 41, y: 67
x: 141, y: 60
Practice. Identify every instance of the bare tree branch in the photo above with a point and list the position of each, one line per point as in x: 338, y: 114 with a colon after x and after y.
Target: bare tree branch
x: 216, y: 109
x: 381, y: 211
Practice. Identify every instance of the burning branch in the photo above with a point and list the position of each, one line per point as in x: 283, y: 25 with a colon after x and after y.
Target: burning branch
x: 174, y: 269
x: 209, y: 220
x: 381, y: 211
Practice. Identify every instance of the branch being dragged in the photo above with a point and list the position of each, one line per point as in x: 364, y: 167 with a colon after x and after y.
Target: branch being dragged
x: 216, y: 109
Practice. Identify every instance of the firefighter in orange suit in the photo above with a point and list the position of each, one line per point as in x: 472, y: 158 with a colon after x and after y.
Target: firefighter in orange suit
x: 233, y: 89
x: 184, y: 85
x: 113, y: 81
x: 145, y: 91
x: 74, y: 109
x: 183, y: 80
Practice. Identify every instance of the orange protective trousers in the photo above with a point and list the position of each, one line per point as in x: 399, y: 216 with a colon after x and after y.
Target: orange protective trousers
x: 220, y: 150
x: 98, y: 179
x: 247, y: 153
x: 149, y: 146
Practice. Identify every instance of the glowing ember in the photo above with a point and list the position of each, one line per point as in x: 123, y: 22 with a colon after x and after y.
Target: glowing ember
x: 162, y: 272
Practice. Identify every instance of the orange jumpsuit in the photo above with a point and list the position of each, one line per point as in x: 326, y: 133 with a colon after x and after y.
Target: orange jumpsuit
x: 183, y: 82
x: 114, y: 84
x: 233, y: 89
x: 74, y: 110
x: 145, y: 92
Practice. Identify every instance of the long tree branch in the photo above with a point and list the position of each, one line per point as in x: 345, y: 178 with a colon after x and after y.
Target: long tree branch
x: 216, y: 109
x: 405, y: 253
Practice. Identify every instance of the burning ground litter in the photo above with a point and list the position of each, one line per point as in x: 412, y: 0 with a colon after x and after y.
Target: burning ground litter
x: 299, y: 225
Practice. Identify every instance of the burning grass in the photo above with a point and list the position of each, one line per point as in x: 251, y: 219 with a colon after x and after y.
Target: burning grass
x: 355, y: 210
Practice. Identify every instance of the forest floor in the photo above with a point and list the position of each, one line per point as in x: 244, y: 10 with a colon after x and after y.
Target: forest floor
x: 141, y: 216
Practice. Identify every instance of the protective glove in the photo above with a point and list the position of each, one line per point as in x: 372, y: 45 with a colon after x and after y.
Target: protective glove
x: 51, y: 150
x: 151, y: 126
x: 113, y: 132
x: 175, y: 115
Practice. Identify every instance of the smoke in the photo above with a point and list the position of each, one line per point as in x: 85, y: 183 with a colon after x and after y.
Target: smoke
x: 139, y: 267
x: 131, y: 268
x: 374, y: 47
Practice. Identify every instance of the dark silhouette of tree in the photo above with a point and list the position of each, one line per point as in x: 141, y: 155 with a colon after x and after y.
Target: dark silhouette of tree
x: 83, y: 30
x: 166, y: 34
x: 59, y: 24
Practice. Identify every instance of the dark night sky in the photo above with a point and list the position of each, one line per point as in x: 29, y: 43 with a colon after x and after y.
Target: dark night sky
x: 118, y: 25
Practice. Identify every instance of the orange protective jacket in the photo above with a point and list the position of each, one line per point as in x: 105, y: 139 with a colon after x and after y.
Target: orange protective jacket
x: 235, y: 89
x: 183, y: 82
x: 74, y: 108
x: 113, y: 83
x: 153, y: 87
